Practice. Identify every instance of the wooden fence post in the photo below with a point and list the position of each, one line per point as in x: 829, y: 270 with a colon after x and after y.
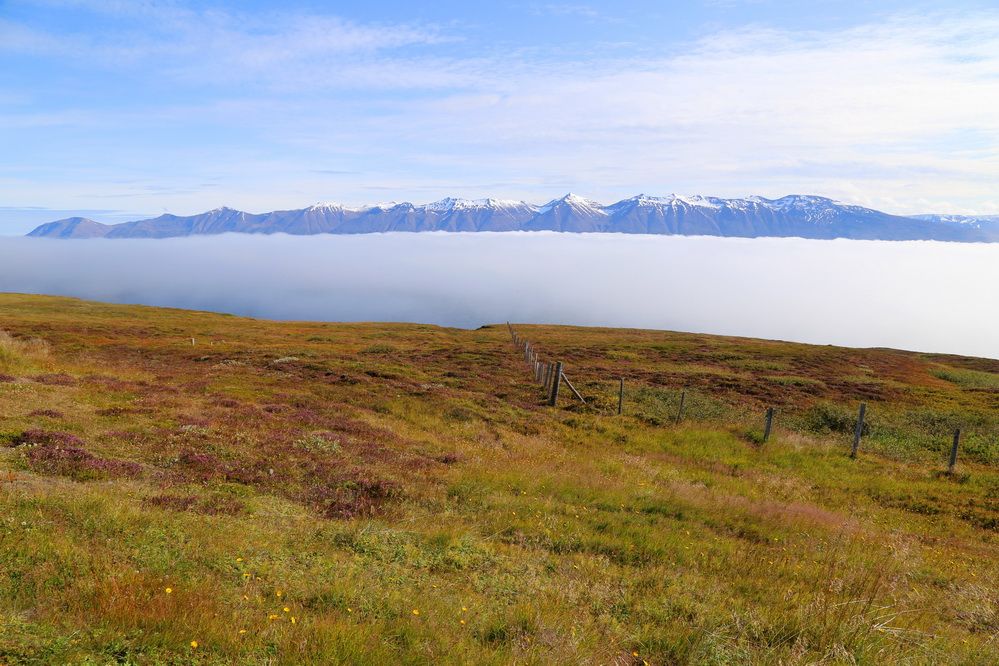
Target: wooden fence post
x: 620, y: 397
x: 573, y: 389
x: 679, y: 412
x: 769, y: 423
x: 859, y: 431
x: 953, y: 451
x: 553, y: 399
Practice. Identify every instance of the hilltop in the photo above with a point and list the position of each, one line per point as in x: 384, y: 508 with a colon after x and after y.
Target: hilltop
x: 790, y: 216
x: 188, y: 487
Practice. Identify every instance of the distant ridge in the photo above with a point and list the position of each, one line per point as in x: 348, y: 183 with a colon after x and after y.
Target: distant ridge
x: 791, y: 216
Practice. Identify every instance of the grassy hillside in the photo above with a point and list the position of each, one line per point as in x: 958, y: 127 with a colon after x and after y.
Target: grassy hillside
x: 318, y: 493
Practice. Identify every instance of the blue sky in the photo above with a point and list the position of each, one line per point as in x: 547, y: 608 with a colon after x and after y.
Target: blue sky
x: 117, y: 109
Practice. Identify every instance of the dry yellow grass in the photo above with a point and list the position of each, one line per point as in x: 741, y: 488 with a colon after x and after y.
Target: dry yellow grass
x: 353, y: 474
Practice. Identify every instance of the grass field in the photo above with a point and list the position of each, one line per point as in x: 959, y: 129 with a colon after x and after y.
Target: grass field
x: 295, y: 493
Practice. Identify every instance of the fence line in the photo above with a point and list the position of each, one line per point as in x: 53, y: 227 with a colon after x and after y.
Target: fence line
x: 547, y: 374
x: 550, y: 375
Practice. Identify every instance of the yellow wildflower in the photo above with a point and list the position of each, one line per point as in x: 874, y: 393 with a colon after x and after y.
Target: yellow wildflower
x: 194, y: 644
x: 293, y: 619
x: 277, y: 593
x: 242, y: 631
x: 287, y: 610
x: 169, y: 590
x: 416, y: 611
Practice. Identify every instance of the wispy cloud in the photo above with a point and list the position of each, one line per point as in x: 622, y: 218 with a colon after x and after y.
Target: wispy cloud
x: 897, y: 114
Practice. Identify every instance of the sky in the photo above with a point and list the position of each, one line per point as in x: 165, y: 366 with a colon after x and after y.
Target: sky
x: 116, y: 109
x: 917, y: 295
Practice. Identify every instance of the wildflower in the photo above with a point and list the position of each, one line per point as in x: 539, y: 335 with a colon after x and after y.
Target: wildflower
x: 239, y: 559
x: 350, y: 610
x: 287, y: 610
x: 194, y: 644
x: 463, y: 609
x: 273, y: 616
x: 462, y: 621
x: 416, y: 611
x: 634, y: 653
x: 246, y: 575
x: 242, y: 631
x: 293, y: 619
x: 277, y: 593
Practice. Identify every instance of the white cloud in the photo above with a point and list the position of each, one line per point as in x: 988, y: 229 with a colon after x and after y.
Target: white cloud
x: 855, y: 293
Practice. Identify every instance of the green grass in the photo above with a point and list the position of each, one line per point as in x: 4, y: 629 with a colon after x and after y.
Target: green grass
x: 379, y: 470
x: 968, y: 378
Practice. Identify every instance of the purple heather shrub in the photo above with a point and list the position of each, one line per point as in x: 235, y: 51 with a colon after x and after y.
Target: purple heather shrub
x: 361, y: 495
x: 78, y: 463
x: 39, y: 437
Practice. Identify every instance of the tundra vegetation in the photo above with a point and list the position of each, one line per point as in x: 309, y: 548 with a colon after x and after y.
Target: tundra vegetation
x: 290, y: 493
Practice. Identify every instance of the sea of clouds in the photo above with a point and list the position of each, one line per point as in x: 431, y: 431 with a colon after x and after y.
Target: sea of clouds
x: 927, y: 296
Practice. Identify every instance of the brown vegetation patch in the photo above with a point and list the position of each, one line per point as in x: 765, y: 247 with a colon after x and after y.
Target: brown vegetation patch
x: 213, y: 506
x: 110, y: 383
x: 123, y: 411
x: 47, y: 413
x: 56, y: 379
x: 228, y: 403
x: 355, y: 494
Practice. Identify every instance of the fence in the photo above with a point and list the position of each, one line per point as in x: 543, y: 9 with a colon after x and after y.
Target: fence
x: 550, y: 375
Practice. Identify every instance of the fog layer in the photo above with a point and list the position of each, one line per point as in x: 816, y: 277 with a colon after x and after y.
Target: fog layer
x: 912, y: 295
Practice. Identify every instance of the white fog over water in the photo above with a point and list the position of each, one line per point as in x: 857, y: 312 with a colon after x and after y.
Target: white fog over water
x: 927, y: 296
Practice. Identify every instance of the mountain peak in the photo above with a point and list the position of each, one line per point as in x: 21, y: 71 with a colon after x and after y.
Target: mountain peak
x: 325, y: 205
x: 573, y: 202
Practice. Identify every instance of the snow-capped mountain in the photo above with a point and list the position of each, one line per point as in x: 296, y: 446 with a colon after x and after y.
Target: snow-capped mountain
x: 570, y: 213
x: 794, y: 215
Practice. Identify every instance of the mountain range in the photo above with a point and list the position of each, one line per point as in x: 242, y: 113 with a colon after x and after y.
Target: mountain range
x: 795, y: 215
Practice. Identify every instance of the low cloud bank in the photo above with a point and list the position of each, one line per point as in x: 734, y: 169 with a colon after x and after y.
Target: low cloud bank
x: 914, y: 295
